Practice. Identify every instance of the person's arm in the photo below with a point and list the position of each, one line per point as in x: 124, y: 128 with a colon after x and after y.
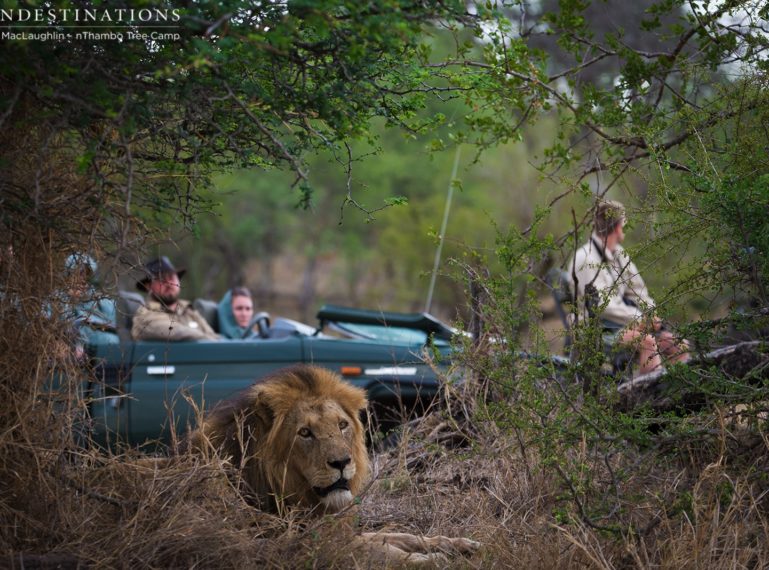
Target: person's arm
x: 618, y: 311
x: 615, y: 309
x: 635, y: 287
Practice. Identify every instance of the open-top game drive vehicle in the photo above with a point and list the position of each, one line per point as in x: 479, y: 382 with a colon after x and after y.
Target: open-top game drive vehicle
x: 146, y: 391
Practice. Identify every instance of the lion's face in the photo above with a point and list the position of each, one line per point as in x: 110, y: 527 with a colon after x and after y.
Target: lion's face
x: 322, y: 450
x: 296, y: 438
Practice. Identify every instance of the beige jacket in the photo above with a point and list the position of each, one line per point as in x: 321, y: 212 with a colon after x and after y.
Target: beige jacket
x: 615, y: 278
x: 154, y: 322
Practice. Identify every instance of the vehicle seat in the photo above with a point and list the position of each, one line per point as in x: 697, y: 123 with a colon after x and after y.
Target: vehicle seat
x: 209, y: 310
x: 126, y: 306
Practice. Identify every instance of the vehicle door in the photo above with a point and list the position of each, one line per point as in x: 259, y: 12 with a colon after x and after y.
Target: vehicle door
x: 172, y: 384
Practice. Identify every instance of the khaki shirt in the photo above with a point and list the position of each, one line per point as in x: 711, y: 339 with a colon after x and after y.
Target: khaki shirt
x: 155, y: 322
x: 615, y: 278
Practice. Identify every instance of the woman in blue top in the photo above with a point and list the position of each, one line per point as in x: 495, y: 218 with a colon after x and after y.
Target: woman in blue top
x: 235, y: 311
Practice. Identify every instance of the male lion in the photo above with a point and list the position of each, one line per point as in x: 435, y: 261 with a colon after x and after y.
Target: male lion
x: 296, y: 438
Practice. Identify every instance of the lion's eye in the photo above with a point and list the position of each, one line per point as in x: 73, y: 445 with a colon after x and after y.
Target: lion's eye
x: 343, y: 424
x: 305, y: 432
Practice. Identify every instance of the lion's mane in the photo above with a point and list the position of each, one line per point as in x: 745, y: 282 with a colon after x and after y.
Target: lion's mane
x: 252, y: 430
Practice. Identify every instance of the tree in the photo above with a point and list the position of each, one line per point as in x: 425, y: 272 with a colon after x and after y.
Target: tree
x: 146, y: 121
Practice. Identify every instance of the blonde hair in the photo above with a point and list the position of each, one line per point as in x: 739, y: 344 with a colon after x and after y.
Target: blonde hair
x: 608, y: 215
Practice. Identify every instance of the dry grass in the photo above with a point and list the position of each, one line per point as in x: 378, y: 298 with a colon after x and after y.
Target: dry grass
x: 695, y: 515
x: 703, y: 507
x: 685, y: 504
x: 697, y: 503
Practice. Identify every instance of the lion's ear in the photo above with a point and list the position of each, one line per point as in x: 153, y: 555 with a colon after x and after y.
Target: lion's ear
x: 353, y: 399
x: 235, y: 425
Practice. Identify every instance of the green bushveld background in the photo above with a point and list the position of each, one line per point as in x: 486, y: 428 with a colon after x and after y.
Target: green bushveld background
x: 261, y: 235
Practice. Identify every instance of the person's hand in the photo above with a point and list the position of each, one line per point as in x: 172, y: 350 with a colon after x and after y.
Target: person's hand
x: 651, y: 323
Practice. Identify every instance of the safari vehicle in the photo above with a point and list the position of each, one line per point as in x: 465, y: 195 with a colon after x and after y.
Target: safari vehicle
x: 148, y: 391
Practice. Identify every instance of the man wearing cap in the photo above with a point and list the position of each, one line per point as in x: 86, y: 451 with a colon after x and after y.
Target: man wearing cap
x: 609, y: 286
x: 165, y: 316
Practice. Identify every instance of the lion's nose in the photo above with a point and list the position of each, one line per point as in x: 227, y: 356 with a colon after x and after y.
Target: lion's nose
x: 340, y: 463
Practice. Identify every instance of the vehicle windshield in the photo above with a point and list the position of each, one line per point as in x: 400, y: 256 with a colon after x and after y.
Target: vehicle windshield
x: 399, y: 335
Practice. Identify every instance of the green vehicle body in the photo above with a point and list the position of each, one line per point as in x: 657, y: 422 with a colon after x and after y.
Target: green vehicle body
x: 154, y: 391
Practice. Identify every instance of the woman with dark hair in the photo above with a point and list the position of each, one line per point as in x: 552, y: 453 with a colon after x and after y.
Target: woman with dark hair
x: 235, y: 312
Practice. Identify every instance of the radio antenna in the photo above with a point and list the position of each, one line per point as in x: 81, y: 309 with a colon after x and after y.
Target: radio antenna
x: 442, y: 235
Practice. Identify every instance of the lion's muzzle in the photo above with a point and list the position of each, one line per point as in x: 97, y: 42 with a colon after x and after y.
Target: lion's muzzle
x: 336, y: 496
x: 340, y: 484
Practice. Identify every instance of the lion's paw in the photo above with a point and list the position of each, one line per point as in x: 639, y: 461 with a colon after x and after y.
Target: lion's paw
x: 419, y: 558
x: 418, y: 549
x: 465, y: 545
